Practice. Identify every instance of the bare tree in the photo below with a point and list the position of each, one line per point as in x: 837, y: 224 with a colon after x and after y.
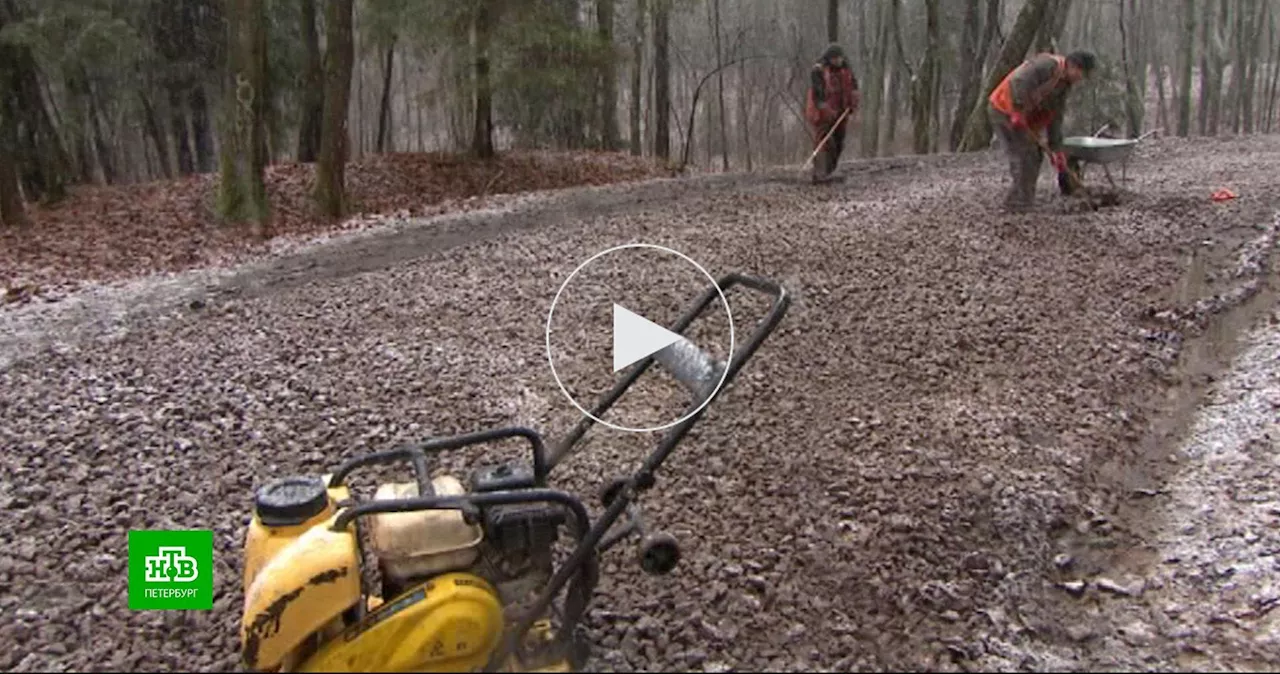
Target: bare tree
x: 661, y: 78
x: 1186, y: 56
x: 13, y: 211
x: 977, y: 132
x: 313, y: 86
x: 1211, y: 65
x: 1274, y: 64
x: 970, y: 74
x: 833, y: 20
x: 1055, y: 19
x: 608, y: 78
x: 1259, y: 9
x: 724, y: 132
x: 243, y: 194
x: 744, y: 112
x: 898, y: 72
x: 637, y: 67
x: 873, y: 85
x: 482, y: 133
x: 922, y: 99
x: 1133, y: 103
x: 384, y: 104
x: 339, y: 56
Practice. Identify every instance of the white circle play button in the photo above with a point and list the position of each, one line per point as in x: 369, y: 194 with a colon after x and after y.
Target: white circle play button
x: 626, y: 309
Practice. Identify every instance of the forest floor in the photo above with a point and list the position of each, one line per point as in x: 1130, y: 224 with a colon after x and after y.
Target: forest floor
x: 1035, y: 442
x: 104, y: 234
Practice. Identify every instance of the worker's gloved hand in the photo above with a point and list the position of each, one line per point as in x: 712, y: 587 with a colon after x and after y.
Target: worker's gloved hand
x: 1018, y: 121
x: 1059, y: 160
x: 857, y: 101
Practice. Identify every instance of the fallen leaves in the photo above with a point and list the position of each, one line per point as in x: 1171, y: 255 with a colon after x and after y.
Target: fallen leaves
x: 109, y: 233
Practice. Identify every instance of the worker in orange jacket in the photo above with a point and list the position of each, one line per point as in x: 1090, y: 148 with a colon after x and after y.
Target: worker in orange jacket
x: 1030, y: 98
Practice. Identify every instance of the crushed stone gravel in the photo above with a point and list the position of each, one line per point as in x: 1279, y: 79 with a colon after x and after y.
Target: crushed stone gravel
x: 881, y: 488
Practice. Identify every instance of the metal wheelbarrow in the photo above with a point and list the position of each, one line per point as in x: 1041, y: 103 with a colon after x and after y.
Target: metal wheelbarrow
x: 1084, y: 150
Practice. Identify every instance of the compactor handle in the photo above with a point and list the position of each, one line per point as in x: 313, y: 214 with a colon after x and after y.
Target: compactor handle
x: 416, y: 453
x: 695, y: 369
x: 658, y: 553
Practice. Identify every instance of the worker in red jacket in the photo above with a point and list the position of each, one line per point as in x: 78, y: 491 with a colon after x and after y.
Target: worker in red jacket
x: 833, y: 89
x: 1031, y: 98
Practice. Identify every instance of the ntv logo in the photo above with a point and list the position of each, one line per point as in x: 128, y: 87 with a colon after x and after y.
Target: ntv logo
x: 171, y: 565
x: 171, y: 570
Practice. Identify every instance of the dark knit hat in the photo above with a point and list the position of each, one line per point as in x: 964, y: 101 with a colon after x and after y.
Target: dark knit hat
x: 1084, y: 59
x: 832, y: 51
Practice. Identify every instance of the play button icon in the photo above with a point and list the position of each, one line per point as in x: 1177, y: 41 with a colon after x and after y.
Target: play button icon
x: 625, y: 305
x: 635, y: 337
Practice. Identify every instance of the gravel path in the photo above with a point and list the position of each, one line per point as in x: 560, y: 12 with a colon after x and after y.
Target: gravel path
x: 887, y: 484
x: 1210, y: 587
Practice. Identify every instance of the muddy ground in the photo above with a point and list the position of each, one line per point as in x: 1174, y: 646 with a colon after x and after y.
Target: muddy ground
x: 972, y: 444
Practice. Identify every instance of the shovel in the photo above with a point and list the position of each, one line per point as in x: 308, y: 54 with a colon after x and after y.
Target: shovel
x: 1074, y: 179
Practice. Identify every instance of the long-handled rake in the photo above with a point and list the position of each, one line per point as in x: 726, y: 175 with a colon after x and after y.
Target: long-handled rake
x: 825, y: 139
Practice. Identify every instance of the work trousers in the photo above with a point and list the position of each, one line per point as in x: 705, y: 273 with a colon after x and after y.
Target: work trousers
x: 1025, y: 159
x: 827, y: 160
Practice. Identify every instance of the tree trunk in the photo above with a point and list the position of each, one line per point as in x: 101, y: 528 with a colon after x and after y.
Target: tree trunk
x: 1274, y: 64
x: 38, y: 157
x: 707, y: 125
x: 384, y: 106
x: 152, y: 122
x: 833, y: 20
x: 201, y: 128
x: 970, y: 75
x: 1239, y: 46
x: 724, y: 122
x: 923, y: 94
x: 1140, y: 53
x: 1211, y: 67
x: 181, y: 135
x: 1186, y: 56
x: 637, y: 67
x: 100, y: 145
x: 339, y: 58
x: 1132, y: 101
x: 1207, y: 23
x: 894, y: 79
x: 661, y: 79
x: 482, y: 134
x: 609, y: 137
x: 1055, y: 20
x: 80, y: 137
x: 13, y: 212
x: 873, y: 86
x: 977, y: 132
x: 1162, y: 110
x: 909, y: 75
x: 1219, y: 66
x: 744, y: 120
x: 992, y: 17
x: 312, y: 87
x: 1248, y: 96
x: 243, y: 197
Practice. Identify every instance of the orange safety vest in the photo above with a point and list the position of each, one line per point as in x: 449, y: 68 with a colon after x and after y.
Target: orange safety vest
x: 1002, y: 98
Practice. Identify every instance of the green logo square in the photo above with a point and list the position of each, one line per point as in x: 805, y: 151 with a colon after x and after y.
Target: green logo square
x: 171, y: 570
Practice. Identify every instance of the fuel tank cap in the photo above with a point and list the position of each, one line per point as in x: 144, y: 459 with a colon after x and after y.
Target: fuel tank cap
x: 290, y: 501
